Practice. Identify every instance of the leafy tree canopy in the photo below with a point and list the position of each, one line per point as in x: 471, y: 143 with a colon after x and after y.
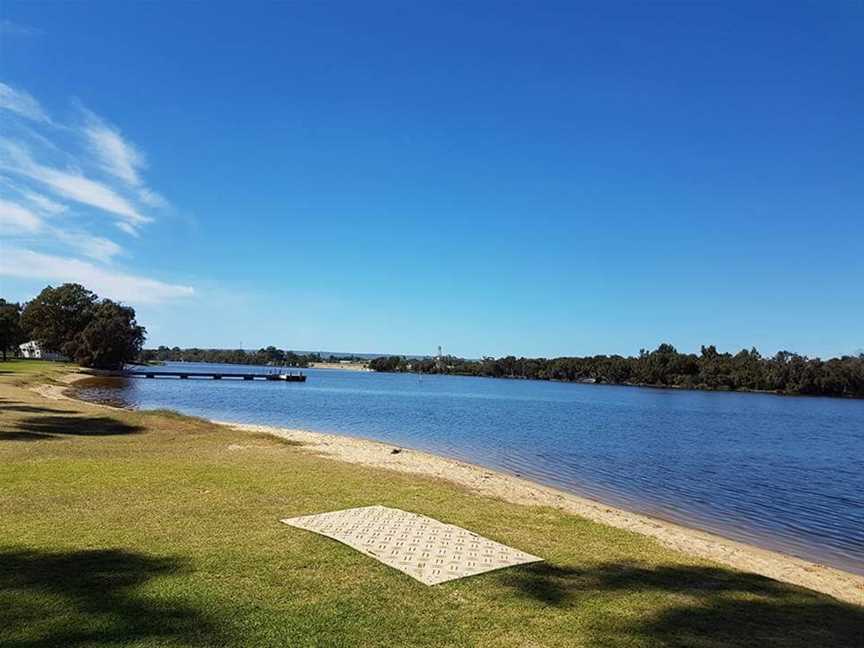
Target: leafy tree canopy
x: 111, y: 338
x: 11, y: 334
x: 56, y: 315
x: 73, y: 321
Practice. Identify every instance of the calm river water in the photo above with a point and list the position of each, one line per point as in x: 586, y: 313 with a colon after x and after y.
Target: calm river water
x: 780, y: 472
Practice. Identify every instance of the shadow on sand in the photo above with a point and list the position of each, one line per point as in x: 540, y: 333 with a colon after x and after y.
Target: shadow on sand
x: 709, y: 606
x: 89, y: 597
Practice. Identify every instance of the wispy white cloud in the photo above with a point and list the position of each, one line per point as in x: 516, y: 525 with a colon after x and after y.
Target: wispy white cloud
x: 72, y: 185
x: 117, y: 156
x: 16, y: 218
x: 93, y: 247
x: 21, y: 103
x: 43, y: 204
x: 20, y: 221
x: 26, y: 264
x: 126, y: 227
x: 106, y: 151
x: 77, y: 187
x: 151, y: 198
x: 84, y: 171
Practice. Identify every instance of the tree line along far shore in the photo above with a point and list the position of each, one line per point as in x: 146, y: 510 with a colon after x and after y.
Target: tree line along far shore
x: 783, y: 373
x: 100, y: 333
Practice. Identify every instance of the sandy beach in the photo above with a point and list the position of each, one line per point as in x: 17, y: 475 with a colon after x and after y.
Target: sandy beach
x: 833, y: 582
x: 352, y: 366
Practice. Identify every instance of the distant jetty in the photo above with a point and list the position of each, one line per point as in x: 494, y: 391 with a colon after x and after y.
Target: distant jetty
x: 217, y: 375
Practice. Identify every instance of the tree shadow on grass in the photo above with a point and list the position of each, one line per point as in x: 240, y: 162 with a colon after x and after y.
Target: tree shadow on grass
x: 16, y: 406
x: 88, y: 597
x: 707, y: 606
x: 54, y: 426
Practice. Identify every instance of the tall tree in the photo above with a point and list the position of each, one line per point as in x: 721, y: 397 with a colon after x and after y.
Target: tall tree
x: 10, y: 326
x: 111, y: 338
x: 57, y: 315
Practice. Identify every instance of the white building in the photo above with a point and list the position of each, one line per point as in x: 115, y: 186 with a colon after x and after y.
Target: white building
x: 32, y: 350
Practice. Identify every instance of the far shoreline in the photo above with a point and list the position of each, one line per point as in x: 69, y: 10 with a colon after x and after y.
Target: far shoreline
x: 677, y: 388
x: 365, y: 368
x: 840, y: 584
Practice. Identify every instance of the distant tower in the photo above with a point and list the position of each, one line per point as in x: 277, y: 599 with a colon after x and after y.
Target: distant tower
x: 439, y: 360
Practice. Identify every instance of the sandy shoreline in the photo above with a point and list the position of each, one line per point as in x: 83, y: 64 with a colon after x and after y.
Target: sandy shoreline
x: 828, y: 580
x: 337, y: 365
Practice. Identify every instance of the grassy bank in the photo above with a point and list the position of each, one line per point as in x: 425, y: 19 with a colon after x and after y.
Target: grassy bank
x: 20, y: 373
x: 129, y: 528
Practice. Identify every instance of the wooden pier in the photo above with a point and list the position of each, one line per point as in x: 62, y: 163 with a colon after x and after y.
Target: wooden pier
x: 217, y: 375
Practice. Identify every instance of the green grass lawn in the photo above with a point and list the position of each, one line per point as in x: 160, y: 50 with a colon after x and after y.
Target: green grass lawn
x: 143, y: 529
x: 25, y: 372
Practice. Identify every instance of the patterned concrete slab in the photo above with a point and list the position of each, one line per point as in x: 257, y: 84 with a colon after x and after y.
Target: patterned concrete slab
x: 424, y: 548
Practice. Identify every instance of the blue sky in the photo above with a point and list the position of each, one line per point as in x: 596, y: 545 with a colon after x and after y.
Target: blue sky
x: 533, y: 178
